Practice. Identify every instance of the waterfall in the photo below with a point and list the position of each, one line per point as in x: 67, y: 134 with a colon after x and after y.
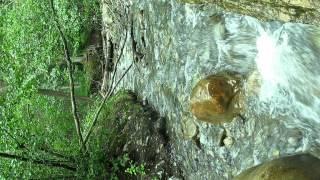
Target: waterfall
x: 288, y: 62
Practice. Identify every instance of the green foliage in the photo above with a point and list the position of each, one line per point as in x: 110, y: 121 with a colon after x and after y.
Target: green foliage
x: 135, y: 169
x: 105, y: 160
x: 30, y: 45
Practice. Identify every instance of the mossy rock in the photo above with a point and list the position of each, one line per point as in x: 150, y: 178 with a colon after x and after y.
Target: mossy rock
x: 134, y: 128
x: 297, y: 167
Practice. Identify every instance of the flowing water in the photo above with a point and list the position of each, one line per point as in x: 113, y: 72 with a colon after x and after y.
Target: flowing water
x: 184, y: 43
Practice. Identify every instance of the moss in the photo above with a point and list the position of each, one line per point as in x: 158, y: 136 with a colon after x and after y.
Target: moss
x: 92, y: 68
x: 117, y: 111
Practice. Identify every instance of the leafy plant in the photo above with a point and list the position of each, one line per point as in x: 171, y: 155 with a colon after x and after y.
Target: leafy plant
x: 37, y: 128
x: 135, y: 169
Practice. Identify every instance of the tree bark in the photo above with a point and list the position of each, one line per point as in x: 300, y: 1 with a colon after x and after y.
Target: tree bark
x: 37, y: 161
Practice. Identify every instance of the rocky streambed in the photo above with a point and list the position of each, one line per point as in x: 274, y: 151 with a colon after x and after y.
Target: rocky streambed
x: 197, y: 66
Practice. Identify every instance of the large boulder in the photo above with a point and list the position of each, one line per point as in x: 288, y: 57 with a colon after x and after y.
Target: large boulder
x: 212, y: 99
x: 302, y: 11
x: 297, y: 167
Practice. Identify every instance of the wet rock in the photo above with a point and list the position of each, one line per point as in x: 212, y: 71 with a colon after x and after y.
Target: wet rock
x: 253, y: 84
x: 302, y: 167
x: 189, y: 128
x: 305, y: 11
x: 228, y: 142
x: 212, y: 99
x: 225, y: 139
x: 142, y: 134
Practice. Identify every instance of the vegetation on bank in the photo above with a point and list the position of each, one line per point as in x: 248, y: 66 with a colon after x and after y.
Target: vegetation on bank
x: 38, y: 137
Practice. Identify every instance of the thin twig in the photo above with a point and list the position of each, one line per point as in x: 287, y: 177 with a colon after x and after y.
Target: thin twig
x: 105, y: 45
x: 95, y: 119
x: 70, y: 69
x: 110, y: 89
x: 117, y: 62
x: 111, y: 92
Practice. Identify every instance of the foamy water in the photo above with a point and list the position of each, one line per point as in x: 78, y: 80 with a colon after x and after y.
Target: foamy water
x: 288, y: 62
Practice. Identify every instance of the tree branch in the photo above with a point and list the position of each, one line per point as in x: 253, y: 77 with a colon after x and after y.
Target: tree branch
x: 53, y: 93
x: 95, y: 119
x: 37, y: 161
x: 57, y: 154
x: 117, y: 62
x: 70, y: 69
x: 56, y: 177
x: 111, y: 89
x: 22, y: 145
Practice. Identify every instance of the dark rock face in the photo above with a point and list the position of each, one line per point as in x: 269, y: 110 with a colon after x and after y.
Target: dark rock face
x: 212, y: 99
x: 297, y: 167
x: 145, y: 139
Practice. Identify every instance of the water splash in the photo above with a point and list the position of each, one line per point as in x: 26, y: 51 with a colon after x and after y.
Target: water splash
x: 267, y: 59
x: 287, y: 61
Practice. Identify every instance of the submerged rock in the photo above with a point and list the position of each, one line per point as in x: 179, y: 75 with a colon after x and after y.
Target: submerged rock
x: 302, y: 167
x: 253, y: 84
x: 212, y: 99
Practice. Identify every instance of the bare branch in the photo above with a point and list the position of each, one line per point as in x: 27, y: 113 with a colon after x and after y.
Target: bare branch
x: 53, y: 93
x: 95, y: 119
x: 112, y: 86
x: 117, y: 62
x: 70, y: 70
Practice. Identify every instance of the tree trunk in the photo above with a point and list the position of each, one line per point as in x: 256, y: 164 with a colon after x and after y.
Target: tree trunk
x: 301, y: 11
x: 37, y: 161
x: 55, y: 177
x: 60, y: 94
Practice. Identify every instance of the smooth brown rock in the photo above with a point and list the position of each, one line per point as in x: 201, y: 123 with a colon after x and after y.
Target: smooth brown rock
x: 211, y: 99
x: 297, y: 167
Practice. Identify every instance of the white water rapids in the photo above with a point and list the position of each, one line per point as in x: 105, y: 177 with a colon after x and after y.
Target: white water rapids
x: 288, y: 61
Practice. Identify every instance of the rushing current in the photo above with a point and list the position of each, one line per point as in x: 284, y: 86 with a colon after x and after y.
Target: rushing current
x: 288, y: 61
x: 184, y: 43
